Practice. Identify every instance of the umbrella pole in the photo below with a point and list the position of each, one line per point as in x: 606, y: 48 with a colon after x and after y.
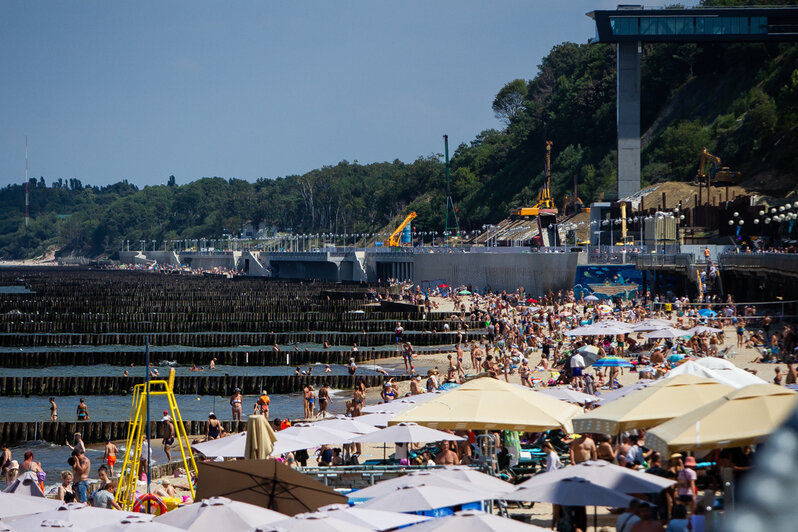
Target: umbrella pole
x: 149, y: 449
x: 595, y: 520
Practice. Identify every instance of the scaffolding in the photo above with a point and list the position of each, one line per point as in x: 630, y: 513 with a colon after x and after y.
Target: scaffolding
x: 136, y: 432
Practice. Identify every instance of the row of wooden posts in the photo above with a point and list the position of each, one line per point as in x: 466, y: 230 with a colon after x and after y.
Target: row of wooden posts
x: 191, y: 385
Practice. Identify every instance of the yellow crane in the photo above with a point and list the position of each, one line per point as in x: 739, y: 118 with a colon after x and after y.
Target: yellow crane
x: 395, y: 238
x: 545, y: 201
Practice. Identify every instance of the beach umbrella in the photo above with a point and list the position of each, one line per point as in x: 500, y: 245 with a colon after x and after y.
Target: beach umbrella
x: 135, y: 523
x: 45, y: 524
x: 347, y: 424
x: 741, y: 417
x: 218, y: 514
x: 406, y: 433
x: 399, y: 405
x: 14, y: 505
x: 605, y: 309
x: 568, y: 395
x: 265, y: 483
x: 490, y: 404
x: 675, y: 357
x: 315, y: 435
x: 701, y: 329
x: 716, y: 363
x: 80, y: 515
x: 494, y: 488
x: 464, y: 293
x: 652, y: 324
x: 603, y: 473
x: 571, y: 491
x: 730, y: 376
x: 286, y: 443
x: 668, y: 333
x: 707, y: 313
x: 378, y: 419
x: 612, y: 362
x: 374, y: 519
x: 422, y: 498
x: 314, y: 522
x: 444, y: 285
x: 652, y: 405
x: 612, y: 395
x: 591, y: 297
x: 599, y: 329
x: 474, y: 521
x: 232, y: 446
x: 260, y: 438
x: 590, y: 353
x: 26, y: 484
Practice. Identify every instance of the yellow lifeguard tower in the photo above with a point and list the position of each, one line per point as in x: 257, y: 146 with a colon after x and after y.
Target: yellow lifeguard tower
x: 126, y: 491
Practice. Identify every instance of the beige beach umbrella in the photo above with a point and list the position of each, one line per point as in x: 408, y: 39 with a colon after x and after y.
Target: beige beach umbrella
x: 652, y: 405
x: 490, y: 404
x: 473, y: 521
x: 260, y: 438
x: 742, y: 417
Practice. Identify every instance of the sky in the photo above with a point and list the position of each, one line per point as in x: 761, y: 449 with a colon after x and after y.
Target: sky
x: 141, y: 90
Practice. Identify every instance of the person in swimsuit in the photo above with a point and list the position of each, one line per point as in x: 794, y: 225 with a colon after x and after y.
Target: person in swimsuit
x: 387, y: 393
x: 214, y: 428
x: 5, y: 460
x: 263, y: 403
x: 324, y: 400
x: 357, y: 402
x: 310, y: 399
x: 53, y: 410
x: 83, y: 410
x: 236, y: 403
x: 110, y: 454
x: 65, y: 491
x: 168, y: 437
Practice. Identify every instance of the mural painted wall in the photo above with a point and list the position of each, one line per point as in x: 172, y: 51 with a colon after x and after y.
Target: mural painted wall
x: 610, y: 280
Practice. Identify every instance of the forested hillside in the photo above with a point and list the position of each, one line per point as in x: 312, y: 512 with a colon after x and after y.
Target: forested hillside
x: 740, y: 101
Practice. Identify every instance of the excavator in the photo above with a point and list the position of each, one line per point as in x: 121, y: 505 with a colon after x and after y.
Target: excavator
x: 711, y: 172
x: 395, y: 239
x: 545, y: 202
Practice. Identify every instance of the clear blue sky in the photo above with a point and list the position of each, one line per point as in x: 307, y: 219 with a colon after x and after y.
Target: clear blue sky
x: 138, y: 90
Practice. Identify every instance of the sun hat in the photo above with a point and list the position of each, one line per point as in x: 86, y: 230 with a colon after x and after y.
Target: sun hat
x: 690, y: 461
x: 14, y: 465
x: 676, y: 455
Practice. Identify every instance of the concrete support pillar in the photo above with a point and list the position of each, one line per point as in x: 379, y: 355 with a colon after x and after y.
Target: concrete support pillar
x: 628, y: 118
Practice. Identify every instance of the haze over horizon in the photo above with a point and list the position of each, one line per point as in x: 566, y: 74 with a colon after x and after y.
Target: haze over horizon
x: 140, y: 91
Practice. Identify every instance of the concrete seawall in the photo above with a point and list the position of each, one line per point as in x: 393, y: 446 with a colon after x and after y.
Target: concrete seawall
x: 536, y: 272
x: 194, y: 385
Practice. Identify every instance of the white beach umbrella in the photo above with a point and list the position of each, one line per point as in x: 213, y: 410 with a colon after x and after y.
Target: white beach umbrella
x: 474, y: 521
x: 400, y: 405
x: 347, y: 424
x: 668, y: 333
x: 591, y: 297
x: 568, y: 395
x: 652, y: 324
x: 463, y: 479
x: 15, y: 505
x: 78, y: 514
x: 604, y: 474
x: 731, y: 376
x: 313, y: 522
x: 219, y: 514
x: 406, y: 433
x: 377, y: 420
x: 315, y: 435
x: 612, y: 395
x: 573, y: 491
x: 423, y: 498
x: 136, y: 523
x: 25, y: 484
x: 701, y: 329
x: 232, y: 446
x: 53, y: 525
x: 715, y: 363
x: 374, y: 519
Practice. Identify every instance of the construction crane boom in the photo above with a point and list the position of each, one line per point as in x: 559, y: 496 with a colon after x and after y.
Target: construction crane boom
x: 394, y: 239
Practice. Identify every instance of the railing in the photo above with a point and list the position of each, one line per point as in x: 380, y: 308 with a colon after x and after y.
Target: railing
x: 674, y: 260
x: 775, y: 262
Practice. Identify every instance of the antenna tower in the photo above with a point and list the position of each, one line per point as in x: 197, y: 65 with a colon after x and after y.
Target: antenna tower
x: 27, y: 201
x: 449, y: 201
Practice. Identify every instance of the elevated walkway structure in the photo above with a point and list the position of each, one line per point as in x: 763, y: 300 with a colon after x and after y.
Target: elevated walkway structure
x: 630, y: 26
